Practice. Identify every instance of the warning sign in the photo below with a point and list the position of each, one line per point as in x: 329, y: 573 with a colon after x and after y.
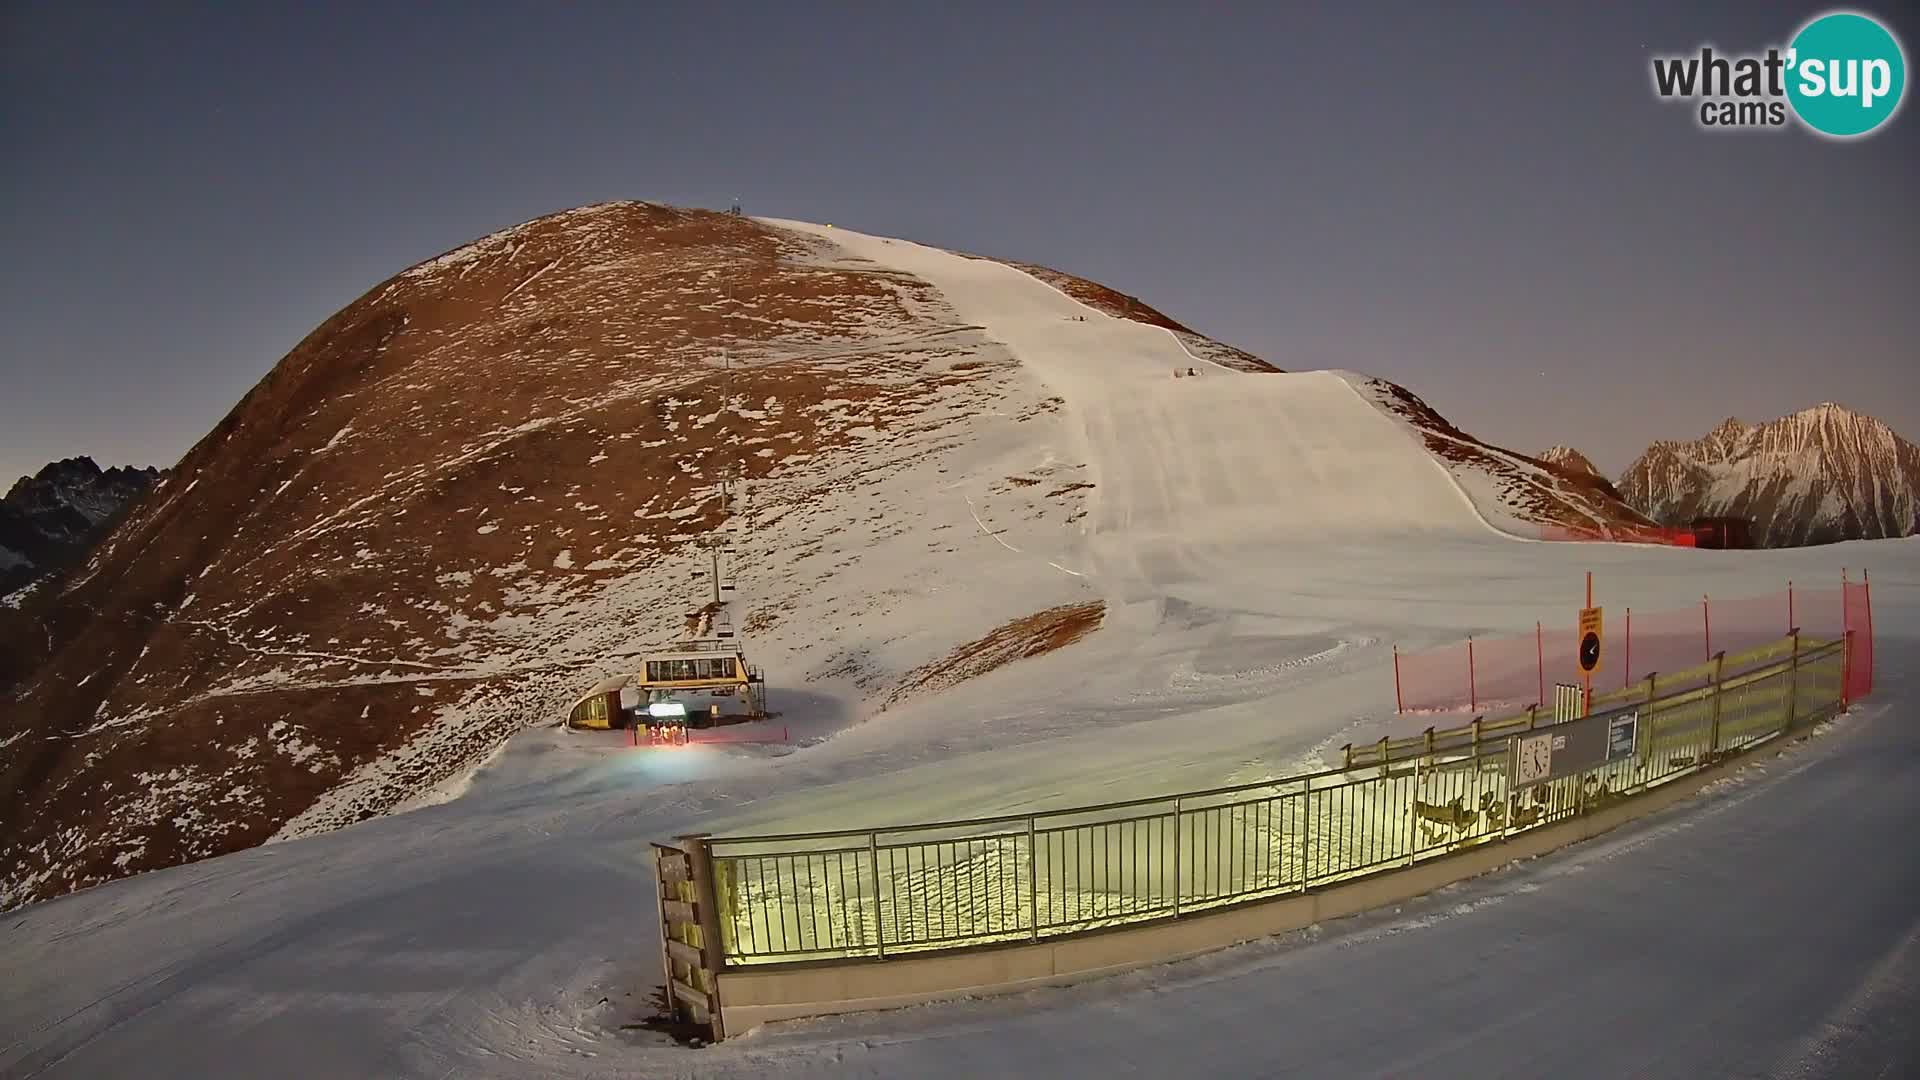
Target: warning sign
x: 1590, y: 640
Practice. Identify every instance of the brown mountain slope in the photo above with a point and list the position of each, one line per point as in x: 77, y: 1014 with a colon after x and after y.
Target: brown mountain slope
x: 362, y: 577
x: 1539, y: 495
x: 1120, y: 305
x: 474, y: 491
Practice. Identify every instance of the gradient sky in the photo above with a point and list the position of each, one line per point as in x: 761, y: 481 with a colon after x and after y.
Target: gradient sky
x: 1485, y: 203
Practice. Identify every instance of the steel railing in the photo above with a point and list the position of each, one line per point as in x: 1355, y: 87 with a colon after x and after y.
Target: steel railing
x: 872, y: 893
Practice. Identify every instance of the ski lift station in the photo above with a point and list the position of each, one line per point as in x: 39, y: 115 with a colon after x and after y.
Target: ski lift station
x: 695, y: 683
x: 705, y: 679
x: 699, y: 682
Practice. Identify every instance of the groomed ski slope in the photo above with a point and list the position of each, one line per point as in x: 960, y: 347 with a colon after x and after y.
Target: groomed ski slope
x: 1193, y: 472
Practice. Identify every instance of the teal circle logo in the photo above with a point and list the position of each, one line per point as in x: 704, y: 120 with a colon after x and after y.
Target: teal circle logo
x: 1846, y: 74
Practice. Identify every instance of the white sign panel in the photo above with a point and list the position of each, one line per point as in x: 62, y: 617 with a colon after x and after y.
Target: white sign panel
x: 1622, y: 731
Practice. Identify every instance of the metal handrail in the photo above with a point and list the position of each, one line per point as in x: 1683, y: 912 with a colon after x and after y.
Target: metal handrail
x: 1488, y: 741
x: 1369, y: 754
x: 860, y: 895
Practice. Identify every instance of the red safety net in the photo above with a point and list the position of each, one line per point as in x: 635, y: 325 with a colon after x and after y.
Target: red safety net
x: 1737, y: 624
x: 1820, y: 613
x: 1515, y: 671
x: 1560, y: 656
x: 1857, y: 600
x: 1506, y: 672
x: 1659, y: 642
x: 1434, y: 680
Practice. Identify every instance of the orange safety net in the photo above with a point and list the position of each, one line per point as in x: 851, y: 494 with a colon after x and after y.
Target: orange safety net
x: 1512, y: 672
x: 1857, y: 601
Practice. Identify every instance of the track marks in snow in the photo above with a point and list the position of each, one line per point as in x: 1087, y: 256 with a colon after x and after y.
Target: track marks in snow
x: 997, y: 538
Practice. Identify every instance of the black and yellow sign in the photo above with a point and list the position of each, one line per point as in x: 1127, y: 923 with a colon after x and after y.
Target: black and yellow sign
x: 1590, y: 639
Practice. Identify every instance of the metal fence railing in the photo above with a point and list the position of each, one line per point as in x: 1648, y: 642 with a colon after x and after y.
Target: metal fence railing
x: 872, y: 893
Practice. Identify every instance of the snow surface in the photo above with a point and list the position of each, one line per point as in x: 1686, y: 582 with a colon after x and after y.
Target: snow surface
x: 1260, y: 541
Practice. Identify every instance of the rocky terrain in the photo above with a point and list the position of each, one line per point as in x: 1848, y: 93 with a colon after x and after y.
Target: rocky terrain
x: 1548, y: 498
x: 1819, y: 476
x: 1568, y: 459
x: 49, y: 520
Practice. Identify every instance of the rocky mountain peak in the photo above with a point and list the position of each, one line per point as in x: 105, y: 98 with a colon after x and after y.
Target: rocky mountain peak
x: 52, y: 519
x: 1818, y: 475
x: 1567, y: 457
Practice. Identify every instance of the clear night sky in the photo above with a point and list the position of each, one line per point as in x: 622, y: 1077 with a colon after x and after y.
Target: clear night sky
x: 1485, y: 203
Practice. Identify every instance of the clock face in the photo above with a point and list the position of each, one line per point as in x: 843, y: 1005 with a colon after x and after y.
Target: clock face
x: 1589, y: 652
x: 1534, y: 760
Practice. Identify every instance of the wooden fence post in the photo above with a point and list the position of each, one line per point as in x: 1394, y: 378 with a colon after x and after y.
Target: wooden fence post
x: 700, y: 861
x: 1846, y: 666
x: 706, y: 910
x: 1306, y: 833
x: 1713, y: 737
x: 1866, y: 597
x: 1399, y: 702
x: 1176, y: 857
x: 879, y: 926
x: 1473, y: 684
x: 1540, y: 657
x: 661, y: 880
x: 1648, y: 718
x: 1706, y: 621
x: 1626, y: 673
x: 1793, y: 682
x: 1033, y: 880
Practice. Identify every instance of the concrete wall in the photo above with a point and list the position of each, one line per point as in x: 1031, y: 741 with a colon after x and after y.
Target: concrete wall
x: 750, y: 996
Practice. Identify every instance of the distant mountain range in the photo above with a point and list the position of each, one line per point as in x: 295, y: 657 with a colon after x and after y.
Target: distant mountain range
x: 1570, y: 460
x: 52, y: 519
x: 1819, y: 476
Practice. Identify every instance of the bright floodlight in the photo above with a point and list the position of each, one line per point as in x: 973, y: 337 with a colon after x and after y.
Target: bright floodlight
x: 661, y: 710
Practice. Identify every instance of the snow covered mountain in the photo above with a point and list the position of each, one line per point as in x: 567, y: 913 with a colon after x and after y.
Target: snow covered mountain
x: 48, y: 520
x: 1566, y: 457
x: 1516, y: 493
x: 1819, y: 476
x: 476, y: 490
